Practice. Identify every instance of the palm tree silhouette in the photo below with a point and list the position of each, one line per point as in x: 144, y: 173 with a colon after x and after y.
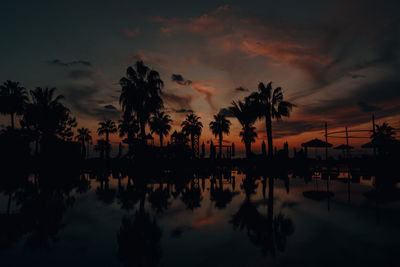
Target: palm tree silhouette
x: 106, y: 128
x: 102, y: 146
x: 13, y: 99
x: 246, y: 114
x: 384, y: 132
x: 159, y: 124
x: 140, y: 95
x: 218, y: 127
x: 129, y: 127
x: 47, y: 116
x: 192, y: 126
x: 84, y: 137
x: 270, y: 105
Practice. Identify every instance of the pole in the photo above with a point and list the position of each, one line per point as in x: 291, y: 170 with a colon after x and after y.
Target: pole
x: 373, y: 131
x: 327, y: 167
x: 348, y: 165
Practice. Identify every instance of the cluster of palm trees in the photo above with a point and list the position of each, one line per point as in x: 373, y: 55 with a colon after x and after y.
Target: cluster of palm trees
x: 142, y: 107
x: 43, y: 116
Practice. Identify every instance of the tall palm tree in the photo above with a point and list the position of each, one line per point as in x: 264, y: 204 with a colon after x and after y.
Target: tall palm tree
x: 84, y: 137
x: 218, y: 127
x: 192, y: 126
x: 246, y: 114
x: 47, y: 116
x: 249, y: 135
x: 270, y: 105
x: 13, y: 99
x: 159, y: 124
x: 384, y: 132
x: 106, y: 128
x: 129, y: 127
x: 140, y: 94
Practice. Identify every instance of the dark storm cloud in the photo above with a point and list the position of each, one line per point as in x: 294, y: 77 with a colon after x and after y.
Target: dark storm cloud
x: 356, y: 76
x: 82, y: 99
x: 364, y: 107
x: 182, y: 110
x: 110, y: 107
x: 241, y: 89
x: 180, y: 80
x: 58, y: 62
x: 80, y: 74
x: 177, y: 102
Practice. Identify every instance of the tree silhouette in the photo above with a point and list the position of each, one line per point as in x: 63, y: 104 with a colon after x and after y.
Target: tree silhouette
x: 140, y: 95
x: 102, y: 146
x: 85, y: 138
x: 218, y: 127
x: 192, y: 126
x: 270, y: 105
x: 246, y: 114
x: 129, y: 127
x: 159, y: 124
x: 47, y: 116
x: 106, y: 128
x: 13, y: 99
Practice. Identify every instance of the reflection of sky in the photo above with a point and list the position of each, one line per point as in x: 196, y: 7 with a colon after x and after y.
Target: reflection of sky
x: 332, y: 60
x: 347, y: 233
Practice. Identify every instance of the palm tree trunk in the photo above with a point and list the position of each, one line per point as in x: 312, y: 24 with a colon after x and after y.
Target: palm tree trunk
x: 12, y: 121
x: 248, y: 149
x: 108, y: 147
x: 192, y: 142
x: 83, y: 149
x: 220, y: 145
x: 268, y: 125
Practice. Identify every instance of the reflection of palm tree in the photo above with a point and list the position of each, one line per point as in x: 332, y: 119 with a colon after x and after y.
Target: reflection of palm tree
x: 13, y: 99
x: 159, y: 199
x: 246, y: 114
x: 192, y: 126
x: 140, y: 95
x: 221, y: 196
x: 84, y: 137
x: 139, y: 240
x: 267, y: 232
x: 218, y: 127
x: 191, y: 196
x: 106, y: 128
x: 159, y: 124
x: 270, y: 105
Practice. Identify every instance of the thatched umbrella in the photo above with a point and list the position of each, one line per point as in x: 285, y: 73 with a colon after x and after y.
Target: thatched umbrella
x: 316, y: 143
x: 343, y: 147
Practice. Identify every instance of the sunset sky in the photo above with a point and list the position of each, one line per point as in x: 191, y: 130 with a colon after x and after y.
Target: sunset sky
x: 338, y: 61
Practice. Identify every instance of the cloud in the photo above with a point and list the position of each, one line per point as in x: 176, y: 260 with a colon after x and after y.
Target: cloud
x: 182, y: 110
x: 131, y: 33
x: 364, y: 107
x: 177, y: 102
x: 110, y: 107
x: 58, y: 62
x: 180, y: 80
x: 241, y: 89
x: 206, y: 90
x: 79, y: 74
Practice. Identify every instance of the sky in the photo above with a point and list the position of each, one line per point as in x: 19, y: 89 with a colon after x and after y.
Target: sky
x: 337, y: 61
